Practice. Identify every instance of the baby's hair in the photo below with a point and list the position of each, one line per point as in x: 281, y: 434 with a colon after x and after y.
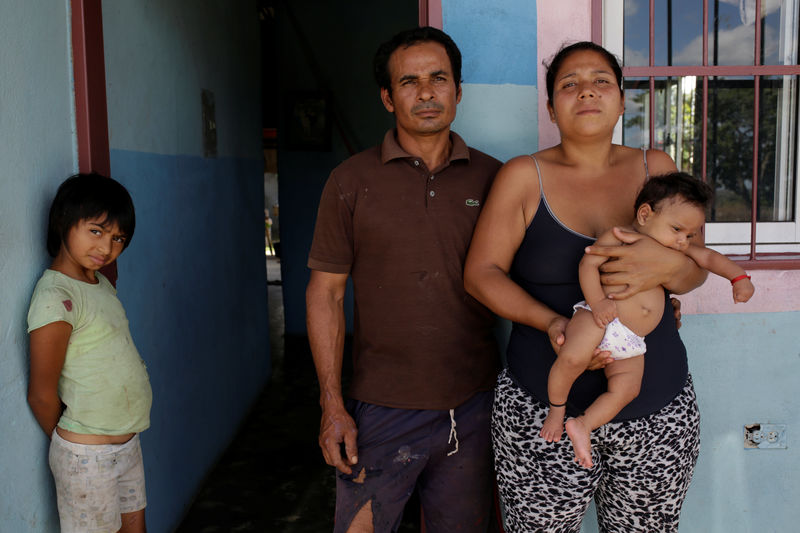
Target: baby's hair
x: 85, y: 196
x: 674, y: 185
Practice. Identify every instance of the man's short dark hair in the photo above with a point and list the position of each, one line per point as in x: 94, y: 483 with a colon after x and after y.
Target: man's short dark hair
x: 677, y: 186
x: 86, y: 196
x: 408, y: 38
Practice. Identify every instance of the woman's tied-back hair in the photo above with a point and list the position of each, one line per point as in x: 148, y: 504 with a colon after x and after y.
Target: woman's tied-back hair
x: 85, y: 196
x: 675, y: 185
x: 568, y: 50
x: 407, y: 38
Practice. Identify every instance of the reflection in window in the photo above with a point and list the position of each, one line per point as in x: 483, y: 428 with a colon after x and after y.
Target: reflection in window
x: 678, y: 28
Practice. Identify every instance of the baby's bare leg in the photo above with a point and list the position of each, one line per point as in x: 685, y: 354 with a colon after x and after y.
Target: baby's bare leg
x: 580, y: 340
x: 624, y: 381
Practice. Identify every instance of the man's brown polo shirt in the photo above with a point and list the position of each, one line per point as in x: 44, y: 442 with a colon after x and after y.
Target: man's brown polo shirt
x: 402, y: 233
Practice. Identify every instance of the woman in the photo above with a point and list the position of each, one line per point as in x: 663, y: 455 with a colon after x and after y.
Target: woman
x: 542, y: 213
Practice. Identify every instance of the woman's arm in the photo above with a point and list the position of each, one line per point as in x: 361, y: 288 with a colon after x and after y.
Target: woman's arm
x: 508, y: 210
x: 48, y: 345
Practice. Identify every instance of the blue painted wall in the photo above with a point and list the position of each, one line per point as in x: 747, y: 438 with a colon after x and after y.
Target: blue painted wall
x: 37, y: 153
x: 193, y: 281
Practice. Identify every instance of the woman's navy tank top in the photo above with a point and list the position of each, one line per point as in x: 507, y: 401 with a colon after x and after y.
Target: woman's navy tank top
x: 546, y: 266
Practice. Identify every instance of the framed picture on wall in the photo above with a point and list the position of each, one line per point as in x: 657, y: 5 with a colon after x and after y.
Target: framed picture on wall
x: 308, y: 121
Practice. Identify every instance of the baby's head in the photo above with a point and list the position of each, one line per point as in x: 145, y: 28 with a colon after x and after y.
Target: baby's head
x: 89, y: 197
x: 671, y: 209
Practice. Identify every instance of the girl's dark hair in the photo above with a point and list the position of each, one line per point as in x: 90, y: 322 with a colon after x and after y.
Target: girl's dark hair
x: 675, y: 185
x: 85, y: 196
x: 566, y: 51
x: 404, y: 39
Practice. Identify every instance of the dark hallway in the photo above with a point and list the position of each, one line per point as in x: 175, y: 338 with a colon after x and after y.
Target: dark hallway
x: 272, y: 478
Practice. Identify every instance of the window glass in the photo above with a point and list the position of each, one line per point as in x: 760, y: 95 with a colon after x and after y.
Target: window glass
x: 712, y: 135
x: 731, y: 33
x: 635, y: 121
x: 730, y: 147
x: 778, y: 28
x: 636, y: 28
x: 776, y: 146
x: 678, y: 121
x: 678, y: 28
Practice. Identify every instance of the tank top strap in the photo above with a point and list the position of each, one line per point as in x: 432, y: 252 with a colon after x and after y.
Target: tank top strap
x: 646, y: 171
x: 539, y: 174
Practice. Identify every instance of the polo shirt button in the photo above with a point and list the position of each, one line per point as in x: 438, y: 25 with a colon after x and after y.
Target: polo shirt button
x: 433, y: 194
x: 432, y: 177
x: 416, y: 163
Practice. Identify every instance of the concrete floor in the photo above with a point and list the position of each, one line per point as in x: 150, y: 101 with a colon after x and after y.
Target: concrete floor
x: 272, y: 477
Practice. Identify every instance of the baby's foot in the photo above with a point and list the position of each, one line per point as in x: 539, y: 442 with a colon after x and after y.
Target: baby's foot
x: 553, y: 426
x: 579, y: 434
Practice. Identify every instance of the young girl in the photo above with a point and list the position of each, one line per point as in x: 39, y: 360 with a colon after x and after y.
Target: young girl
x: 671, y: 210
x: 89, y: 389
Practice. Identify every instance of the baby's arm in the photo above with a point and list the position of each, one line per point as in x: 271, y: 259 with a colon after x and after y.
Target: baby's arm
x: 603, y: 309
x: 720, y: 265
x: 48, y: 351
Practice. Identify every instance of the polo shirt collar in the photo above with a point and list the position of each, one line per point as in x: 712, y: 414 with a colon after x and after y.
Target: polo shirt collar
x: 391, y: 149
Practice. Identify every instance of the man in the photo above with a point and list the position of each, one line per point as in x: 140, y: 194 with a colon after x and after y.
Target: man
x: 398, y: 219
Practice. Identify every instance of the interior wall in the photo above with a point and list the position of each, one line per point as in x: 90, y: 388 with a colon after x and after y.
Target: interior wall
x: 326, y: 45
x: 37, y: 153
x: 193, y: 281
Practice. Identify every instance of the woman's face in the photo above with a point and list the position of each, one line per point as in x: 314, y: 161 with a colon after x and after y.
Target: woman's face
x: 586, y: 96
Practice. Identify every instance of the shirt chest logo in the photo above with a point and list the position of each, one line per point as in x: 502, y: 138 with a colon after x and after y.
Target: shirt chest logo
x: 472, y: 203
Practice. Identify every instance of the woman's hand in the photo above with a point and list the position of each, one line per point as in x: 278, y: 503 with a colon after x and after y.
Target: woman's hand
x: 641, y: 264
x: 556, y: 331
x: 676, y: 310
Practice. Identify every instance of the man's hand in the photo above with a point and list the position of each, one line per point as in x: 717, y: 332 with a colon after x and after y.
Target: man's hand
x: 337, y: 427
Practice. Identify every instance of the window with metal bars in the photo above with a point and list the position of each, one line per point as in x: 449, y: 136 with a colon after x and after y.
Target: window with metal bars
x: 716, y: 87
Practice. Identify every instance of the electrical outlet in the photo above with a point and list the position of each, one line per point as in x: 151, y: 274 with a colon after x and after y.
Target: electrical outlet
x: 765, y: 436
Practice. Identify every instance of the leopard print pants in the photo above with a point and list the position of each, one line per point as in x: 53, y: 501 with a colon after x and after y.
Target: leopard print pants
x: 642, y: 468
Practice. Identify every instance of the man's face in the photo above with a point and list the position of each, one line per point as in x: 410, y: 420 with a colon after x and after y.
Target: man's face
x: 424, y: 94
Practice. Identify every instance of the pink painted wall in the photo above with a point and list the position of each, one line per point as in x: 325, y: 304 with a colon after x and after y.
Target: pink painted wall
x: 559, y: 22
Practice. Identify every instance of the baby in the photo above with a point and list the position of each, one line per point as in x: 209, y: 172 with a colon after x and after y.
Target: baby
x: 671, y: 210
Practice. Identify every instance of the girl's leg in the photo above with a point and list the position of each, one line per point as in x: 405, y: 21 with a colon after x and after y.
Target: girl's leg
x: 581, y: 338
x: 624, y: 381
x: 650, y: 464
x: 540, y: 487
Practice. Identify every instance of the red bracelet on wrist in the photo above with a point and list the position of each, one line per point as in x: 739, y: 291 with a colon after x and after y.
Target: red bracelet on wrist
x: 739, y: 278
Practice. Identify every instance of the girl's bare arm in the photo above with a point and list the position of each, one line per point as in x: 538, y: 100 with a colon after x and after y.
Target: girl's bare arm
x: 48, y: 346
